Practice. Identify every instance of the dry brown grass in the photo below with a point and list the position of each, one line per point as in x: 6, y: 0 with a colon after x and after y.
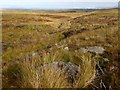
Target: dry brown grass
x: 42, y: 32
x: 34, y: 77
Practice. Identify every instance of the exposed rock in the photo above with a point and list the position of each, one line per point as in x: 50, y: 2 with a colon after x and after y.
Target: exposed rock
x: 70, y: 70
x: 95, y: 49
x: 83, y: 50
x: 108, y: 45
x: 66, y: 48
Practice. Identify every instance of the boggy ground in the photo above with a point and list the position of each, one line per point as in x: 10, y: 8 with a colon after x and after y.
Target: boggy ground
x: 62, y: 36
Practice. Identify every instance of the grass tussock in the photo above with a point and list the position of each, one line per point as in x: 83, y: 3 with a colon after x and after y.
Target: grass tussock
x: 88, y: 68
x: 32, y: 75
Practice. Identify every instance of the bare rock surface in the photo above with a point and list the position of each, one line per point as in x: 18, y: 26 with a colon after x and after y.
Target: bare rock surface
x: 95, y: 49
x: 70, y: 70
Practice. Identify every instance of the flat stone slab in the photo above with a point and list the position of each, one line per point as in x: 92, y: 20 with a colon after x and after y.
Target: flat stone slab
x: 95, y: 49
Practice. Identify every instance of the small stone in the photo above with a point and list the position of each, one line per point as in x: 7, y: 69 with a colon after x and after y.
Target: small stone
x: 34, y: 54
x: 96, y: 49
x: 66, y: 48
x: 108, y: 45
x: 83, y: 50
x: 106, y: 59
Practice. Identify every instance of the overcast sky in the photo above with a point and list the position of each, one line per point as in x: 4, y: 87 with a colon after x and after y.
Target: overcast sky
x: 57, y: 4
